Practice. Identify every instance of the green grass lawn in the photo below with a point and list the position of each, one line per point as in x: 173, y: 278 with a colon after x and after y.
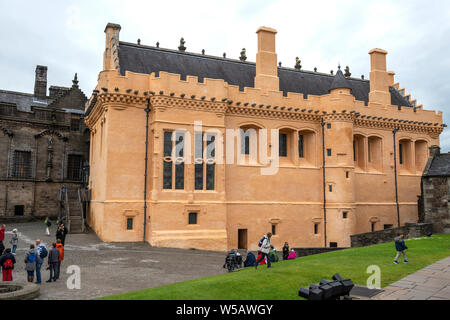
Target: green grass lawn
x: 284, y: 279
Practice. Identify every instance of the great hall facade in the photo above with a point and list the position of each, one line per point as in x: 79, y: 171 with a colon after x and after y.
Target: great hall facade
x: 335, y: 141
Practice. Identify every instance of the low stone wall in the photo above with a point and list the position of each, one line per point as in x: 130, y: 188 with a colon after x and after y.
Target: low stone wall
x: 304, y: 252
x: 18, y: 291
x: 13, y: 220
x: 372, y: 238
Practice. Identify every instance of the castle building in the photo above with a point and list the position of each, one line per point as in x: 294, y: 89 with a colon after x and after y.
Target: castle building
x: 44, y: 147
x: 163, y: 122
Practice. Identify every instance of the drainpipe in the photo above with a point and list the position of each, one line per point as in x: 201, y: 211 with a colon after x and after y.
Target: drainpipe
x: 324, y: 185
x: 396, y: 176
x: 147, y: 111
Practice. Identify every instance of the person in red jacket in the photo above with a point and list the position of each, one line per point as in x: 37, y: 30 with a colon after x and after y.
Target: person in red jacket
x: 7, y: 262
x: 2, y: 237
x: 60, y: 248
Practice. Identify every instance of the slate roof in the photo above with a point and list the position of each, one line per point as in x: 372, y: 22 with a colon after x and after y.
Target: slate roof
x: 440, y: 166
x: 23, y: 101
x: 340, y: 82
x: 147, y: 59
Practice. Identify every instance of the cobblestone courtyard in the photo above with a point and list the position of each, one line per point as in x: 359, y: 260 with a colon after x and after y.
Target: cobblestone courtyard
x: 108, y: 269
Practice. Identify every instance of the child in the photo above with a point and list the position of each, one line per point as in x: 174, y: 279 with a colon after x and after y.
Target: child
x: 401, y: 247
x: 292, y: 255
x: 14, y: 241
x: 47, y: 226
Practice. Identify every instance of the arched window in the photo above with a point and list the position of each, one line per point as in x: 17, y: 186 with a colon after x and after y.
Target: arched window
x: 359, y: 154
x: 421, y: 155
x: 307, y: 147
x: 405, y: 156
x: 375, y: 154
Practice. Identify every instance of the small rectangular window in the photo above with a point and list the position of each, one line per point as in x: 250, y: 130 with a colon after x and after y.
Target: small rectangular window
x: 274, y: 229
x: 130, y: 224
x: 347, y: 175
x: 333, y: 245
x: 345, y: 215
x: 316, y: 228
x: 329, y: 126
x: 193, y: 218
x: 373, y: 226
x: 330, y: 152
x: 400, y: 150
x: 19, y: 211
x: 330, y: 187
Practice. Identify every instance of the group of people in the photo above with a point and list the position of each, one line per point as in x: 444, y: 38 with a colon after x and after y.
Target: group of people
x: 35, y: 256
x: 267, y: 253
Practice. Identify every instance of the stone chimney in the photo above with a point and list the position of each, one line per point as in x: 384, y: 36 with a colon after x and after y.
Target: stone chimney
x: 435, y: 151
x: 40, y: 82
x: 380, y: 79
x: 110, y: 57
x: 266, y: 61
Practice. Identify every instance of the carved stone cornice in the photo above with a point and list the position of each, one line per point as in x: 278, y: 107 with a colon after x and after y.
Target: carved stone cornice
x: 167, y: 102
x: 391, y: 125
x: 280, y: 113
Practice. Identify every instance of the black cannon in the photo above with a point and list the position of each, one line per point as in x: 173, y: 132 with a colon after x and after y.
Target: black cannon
x: 329, y: 290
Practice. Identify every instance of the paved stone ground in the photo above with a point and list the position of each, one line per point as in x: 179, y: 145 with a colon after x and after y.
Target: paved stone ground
x: 431, y: 283
x: 108, y: 269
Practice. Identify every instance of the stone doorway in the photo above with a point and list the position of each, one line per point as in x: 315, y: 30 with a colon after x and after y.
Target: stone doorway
x: 243, y: 239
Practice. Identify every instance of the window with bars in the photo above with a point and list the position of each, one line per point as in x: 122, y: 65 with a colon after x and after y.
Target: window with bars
x: 74, y: 167
x: 301, y: 146
x: 283, y: 145
x: 22, y: 167
x: 205, y: 166
x: 75, y: 124
x: 173, y: 169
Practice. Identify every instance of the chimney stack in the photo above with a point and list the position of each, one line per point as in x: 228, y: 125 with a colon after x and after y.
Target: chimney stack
x: 435, y: 151
x: 266, y: 61
x: 110, y: 57
x: 380, y: 79
x: 40, y: 82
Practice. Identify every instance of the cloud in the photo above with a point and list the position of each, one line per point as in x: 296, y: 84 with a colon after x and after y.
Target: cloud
x: 68, y: 37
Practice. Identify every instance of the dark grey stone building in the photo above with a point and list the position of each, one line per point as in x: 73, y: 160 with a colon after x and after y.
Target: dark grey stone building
x: 436, y: 191
x: 44, y: 146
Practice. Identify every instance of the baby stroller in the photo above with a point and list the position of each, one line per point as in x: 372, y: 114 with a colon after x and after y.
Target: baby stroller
x: 233, y: 261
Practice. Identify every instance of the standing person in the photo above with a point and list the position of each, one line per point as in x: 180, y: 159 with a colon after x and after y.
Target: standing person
x: 401, y: 248
x: 53, y: 258
x: 61, y: 233
x: 14, y: 241
x: 286, y: 251
x: 2, y: 237
x: 265, y: 249
x: 48, y: 224
x: 41, y: 253
x: 30, y: 262
x: 7, y: 262
x: 60, y: 248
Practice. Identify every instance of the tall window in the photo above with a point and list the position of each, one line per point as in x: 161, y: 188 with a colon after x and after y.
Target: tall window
x: 400, y: 151
x: 245, y: 142
x: 74, y: 167
x: 283, y: 145
x: 301, y: 146
x: 173, y: 169
x: 205, y: 166
x: 22, y: 165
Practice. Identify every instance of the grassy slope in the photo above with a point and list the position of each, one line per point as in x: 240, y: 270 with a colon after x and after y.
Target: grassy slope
x: 283, y: 281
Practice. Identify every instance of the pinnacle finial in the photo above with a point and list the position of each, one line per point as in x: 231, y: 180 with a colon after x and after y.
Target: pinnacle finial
x: 298, y: 65
x: 75, y: 80
x: 347, y: 72
x: 182, y: 47
x: 243, y: 56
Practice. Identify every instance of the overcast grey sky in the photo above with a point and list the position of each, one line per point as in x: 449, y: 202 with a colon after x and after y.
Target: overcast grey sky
x: 68, y: 37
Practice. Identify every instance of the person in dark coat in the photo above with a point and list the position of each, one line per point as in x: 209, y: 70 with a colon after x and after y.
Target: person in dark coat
x: 286, y: 251
x: 61, y: 233
x: 7, y: 262
x: 53, y: 259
